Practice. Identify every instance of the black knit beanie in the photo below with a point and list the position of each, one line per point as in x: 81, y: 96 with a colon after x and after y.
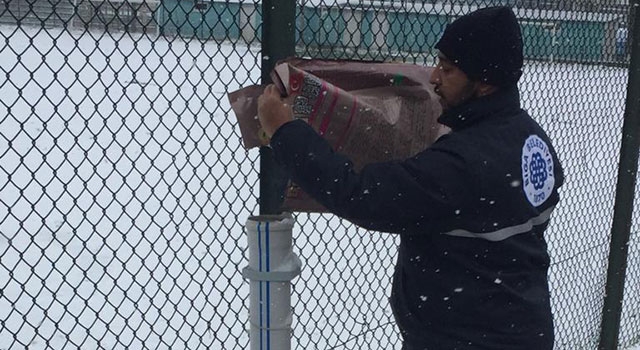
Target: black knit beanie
x: 485, y: 44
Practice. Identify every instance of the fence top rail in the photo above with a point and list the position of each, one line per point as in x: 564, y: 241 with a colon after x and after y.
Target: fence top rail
x: 454, y: 9
x: 152, y: 2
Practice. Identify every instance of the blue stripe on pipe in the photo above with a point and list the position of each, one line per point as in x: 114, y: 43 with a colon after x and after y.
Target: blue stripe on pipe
x: 268, y: 291
x: 260, y: 269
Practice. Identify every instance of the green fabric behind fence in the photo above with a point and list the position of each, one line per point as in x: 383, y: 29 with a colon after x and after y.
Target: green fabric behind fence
x: 322, y: 27
x: 574, y: 41
x: 580, y: 41
x: 538, y: 39
x: 406, y: 31
x: 204, y: 20
x: 414, y: 32
x: 367, y: 28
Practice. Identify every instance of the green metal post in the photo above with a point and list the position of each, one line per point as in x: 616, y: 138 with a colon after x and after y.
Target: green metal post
x: 278, y: 42
x: 623, y: 209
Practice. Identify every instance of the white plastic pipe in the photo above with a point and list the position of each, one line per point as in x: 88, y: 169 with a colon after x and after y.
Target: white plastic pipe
x: 272, y: 266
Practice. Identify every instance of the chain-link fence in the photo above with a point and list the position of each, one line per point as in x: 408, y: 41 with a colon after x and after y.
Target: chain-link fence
x: 124, y: 187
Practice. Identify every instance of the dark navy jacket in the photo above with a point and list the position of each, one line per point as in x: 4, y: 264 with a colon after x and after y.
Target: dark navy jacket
x: 470, y: 210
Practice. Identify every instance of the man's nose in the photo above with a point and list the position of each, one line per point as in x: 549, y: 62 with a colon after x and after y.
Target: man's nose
x: 435, y: 77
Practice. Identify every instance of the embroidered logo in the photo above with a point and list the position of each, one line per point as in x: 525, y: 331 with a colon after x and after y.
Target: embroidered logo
x: 537, y: 170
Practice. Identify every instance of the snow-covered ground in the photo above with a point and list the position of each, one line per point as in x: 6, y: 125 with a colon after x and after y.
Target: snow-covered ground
x: 124, y: 191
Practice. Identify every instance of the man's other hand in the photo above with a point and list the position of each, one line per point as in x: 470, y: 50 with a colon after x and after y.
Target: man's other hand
x: 273, y: 112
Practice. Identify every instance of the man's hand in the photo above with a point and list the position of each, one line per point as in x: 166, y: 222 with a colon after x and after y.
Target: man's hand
x: 272, y: 111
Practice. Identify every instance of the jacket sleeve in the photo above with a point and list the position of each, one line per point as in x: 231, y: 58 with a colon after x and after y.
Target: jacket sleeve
x: 396, y: 196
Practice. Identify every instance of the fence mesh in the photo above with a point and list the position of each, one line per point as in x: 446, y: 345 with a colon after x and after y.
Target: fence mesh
x: 124, y: 187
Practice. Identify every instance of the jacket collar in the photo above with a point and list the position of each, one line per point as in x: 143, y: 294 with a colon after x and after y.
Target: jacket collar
x: 498, y: 104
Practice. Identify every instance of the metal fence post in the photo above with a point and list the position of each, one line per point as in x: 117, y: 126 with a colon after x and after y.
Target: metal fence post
x: 272, y: 266
x: 278, y: 42
x: 623, y: 209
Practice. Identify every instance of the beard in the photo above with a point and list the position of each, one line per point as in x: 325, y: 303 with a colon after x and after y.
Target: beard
x: 467, y: 93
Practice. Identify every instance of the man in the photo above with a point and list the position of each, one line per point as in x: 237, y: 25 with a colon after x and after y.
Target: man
x: 470, y: 210
x: 621, y: 42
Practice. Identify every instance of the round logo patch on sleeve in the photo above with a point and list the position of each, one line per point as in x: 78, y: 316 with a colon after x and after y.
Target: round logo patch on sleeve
x: 537, y: 170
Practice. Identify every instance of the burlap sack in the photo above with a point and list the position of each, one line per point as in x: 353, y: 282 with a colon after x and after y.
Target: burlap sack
x: 370, y: 112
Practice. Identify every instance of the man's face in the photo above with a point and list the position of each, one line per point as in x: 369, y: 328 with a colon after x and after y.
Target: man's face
x: 451, y: 83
